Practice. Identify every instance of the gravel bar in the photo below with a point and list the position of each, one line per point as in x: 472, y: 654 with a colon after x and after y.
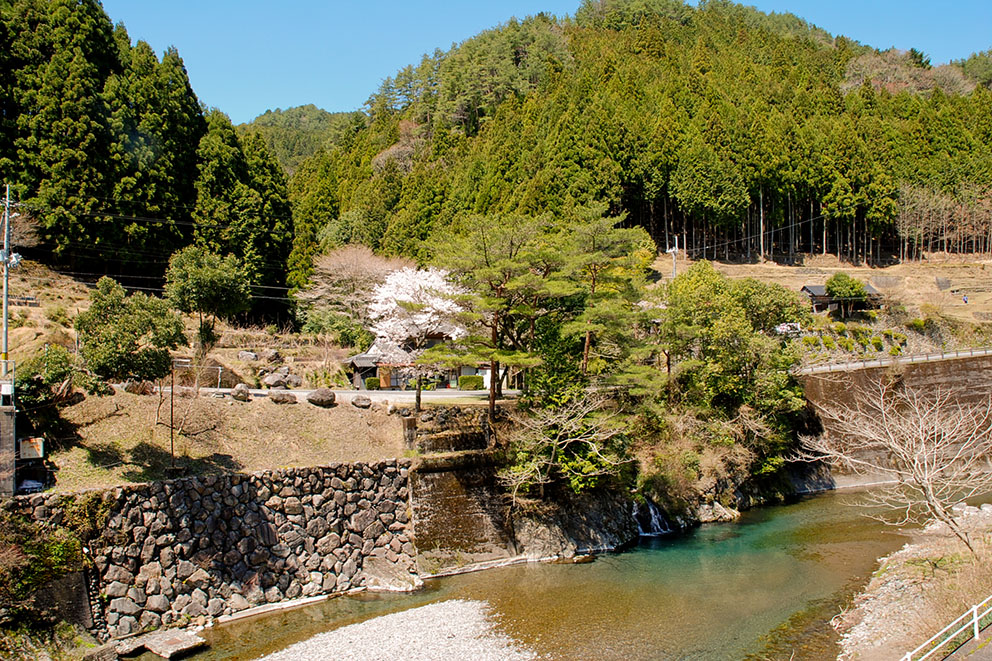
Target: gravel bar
x: 449, y: 630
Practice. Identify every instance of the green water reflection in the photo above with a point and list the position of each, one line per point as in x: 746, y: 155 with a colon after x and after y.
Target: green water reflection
x: 765, y: 587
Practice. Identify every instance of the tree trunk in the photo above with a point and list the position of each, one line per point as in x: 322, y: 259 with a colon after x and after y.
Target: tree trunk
x: 761, y: 230
x: 420, y: 388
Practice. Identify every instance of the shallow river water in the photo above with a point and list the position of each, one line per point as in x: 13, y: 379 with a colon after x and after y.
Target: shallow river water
x: 762, y: 588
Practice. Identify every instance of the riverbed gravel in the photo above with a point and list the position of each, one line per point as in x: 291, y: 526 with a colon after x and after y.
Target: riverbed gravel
x: 456, y: 630
x: 902, y: 605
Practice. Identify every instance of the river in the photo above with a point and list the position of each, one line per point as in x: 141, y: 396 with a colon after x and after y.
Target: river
x: 761, y: 588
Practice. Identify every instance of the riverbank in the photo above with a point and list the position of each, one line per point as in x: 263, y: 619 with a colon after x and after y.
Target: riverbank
x: 454, y: 629
x: 919, y: 589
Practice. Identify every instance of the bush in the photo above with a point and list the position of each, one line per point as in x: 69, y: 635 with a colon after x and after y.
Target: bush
x: 372, y: 383
x: 918, y: 325
x: 876, y: 342
x: 344, y: 331
x: 471, y: 382
x: 811, y: 341
x: 840, y: 328
x: 829, y: 342
x: 57, y: 314
x: 895, y: 351
x: 846, y: 344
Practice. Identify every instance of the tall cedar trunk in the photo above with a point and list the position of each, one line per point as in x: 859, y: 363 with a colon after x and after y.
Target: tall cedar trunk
x: 420, y: 388
x: 761, y: 231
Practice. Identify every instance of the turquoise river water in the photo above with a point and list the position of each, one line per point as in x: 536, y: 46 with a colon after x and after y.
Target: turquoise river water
x: 762, y: 588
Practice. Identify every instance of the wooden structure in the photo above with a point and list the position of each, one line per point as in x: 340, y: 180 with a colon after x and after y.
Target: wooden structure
x: 824, y: 302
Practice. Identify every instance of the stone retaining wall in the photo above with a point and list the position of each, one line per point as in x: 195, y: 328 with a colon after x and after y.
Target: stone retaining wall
x: 209, y: 546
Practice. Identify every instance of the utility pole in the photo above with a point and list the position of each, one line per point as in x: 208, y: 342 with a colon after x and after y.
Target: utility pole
x: 674, y: 253
x: 10, y: 260
x: 6, y: 271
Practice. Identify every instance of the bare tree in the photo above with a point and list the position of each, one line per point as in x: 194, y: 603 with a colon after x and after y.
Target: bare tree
x: 345, y: 278
x: 931, y: 450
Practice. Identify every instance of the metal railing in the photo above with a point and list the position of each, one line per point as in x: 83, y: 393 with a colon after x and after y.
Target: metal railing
x: 968, y: 623
x: 895, y: 360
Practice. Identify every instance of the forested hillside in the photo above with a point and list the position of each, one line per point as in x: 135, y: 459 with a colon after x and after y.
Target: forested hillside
x: 741, y: 133
x: 706, y: 122
x: 113, y: 160
x: 295, y: 134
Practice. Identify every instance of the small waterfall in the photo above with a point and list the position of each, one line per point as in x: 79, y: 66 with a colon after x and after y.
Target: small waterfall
x: 650, y: 521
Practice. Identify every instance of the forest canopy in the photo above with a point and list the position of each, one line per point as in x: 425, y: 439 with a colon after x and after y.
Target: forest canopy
x: 744, y: 134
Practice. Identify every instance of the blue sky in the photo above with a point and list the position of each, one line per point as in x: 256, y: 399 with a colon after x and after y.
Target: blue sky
x: 247, y: 56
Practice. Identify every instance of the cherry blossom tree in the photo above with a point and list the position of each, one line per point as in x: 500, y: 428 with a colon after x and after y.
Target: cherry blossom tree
x: 414, y: 308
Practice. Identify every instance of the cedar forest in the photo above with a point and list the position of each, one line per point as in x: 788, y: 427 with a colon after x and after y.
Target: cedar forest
x: 543, y: 163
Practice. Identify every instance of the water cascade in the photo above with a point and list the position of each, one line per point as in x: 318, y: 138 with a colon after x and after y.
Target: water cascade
x: 650, y: 521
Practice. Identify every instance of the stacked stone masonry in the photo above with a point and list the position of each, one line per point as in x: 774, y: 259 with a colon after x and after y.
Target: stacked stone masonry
x: 184, y: 549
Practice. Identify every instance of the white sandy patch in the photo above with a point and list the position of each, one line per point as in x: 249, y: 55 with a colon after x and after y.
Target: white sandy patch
x: 455, y: 630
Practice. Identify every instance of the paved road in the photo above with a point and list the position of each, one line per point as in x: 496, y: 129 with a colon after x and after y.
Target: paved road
x: 427, y: 396
x: 881, y: 362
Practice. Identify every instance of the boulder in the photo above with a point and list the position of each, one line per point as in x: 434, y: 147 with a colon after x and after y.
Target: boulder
x: 241, y: 392
x: 322, y: 397
x: 361, y: 401
x: 139, y: 387
x: 272, y: 356
x: 158, y: 603
x: 274, y: 380
x: 294, y: 380
x: 247, y: 356
x: 282, y: 397
x: 237, y: 602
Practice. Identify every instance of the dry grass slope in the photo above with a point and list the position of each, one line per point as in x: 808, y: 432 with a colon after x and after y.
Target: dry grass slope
x: 115, y: 440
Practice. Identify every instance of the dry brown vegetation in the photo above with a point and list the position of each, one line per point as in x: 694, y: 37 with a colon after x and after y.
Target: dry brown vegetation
x: 116, y: 440
x: 918, y: 590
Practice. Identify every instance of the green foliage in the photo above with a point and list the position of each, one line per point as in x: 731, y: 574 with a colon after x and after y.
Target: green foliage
x: 208, y: 285
x: 811, y: 341
x: 847, y: 291
x: 100, y: 131
x: 917, y: 325
x: 43, y: 383
x: 295, y: 134
x: 767, y: 305
x: 730, y: 377
x: 57, y: 314
x: 31, y: 555
x: 978, y: 67
x: 372, y: 383
x: 580, y: 443
x: 829, y: 342
x: 895, y: 350
x: 344, y: 330
x: 877, y: 344
x: 470, y: 382
x: 242, y: 202
x: 127, y: 337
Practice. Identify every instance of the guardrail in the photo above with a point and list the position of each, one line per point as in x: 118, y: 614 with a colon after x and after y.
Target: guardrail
x: 970, y: 623
x: 895, y: 360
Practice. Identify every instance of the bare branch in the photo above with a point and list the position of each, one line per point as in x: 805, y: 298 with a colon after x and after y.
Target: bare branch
x: 931, y: 449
